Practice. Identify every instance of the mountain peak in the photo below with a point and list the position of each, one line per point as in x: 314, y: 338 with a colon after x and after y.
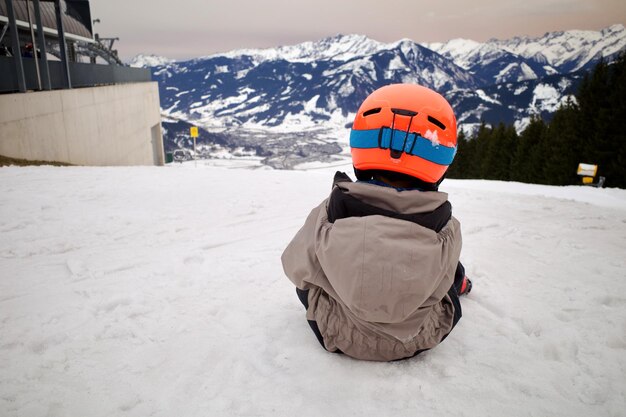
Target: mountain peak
x: 337, y: 47
x: 341, y: 37
x: 342, y: 47
x: 146, y: 61
x: 616, y: 28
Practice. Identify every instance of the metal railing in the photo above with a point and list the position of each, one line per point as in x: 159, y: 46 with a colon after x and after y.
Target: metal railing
x: 82, y: 75
x: 18, y: 73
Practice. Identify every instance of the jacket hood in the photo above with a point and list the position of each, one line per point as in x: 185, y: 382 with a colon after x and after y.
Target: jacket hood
x: 385, y: 269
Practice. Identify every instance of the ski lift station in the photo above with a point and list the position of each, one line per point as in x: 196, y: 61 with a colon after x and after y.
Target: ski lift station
x: 65, y: 96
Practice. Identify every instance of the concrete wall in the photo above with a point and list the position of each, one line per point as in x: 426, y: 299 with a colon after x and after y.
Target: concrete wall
x: 108, y: 125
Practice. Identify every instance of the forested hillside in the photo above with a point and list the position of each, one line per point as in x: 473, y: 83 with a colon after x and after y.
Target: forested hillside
x: 591, y: 129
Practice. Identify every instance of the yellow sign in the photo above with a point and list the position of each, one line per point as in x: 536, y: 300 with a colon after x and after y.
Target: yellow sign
x: 588, y: 170
x: 587, y: 180
x: 194, y: 131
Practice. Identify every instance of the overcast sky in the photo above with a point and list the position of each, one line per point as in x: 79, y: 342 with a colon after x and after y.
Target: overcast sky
x: 190, y: 28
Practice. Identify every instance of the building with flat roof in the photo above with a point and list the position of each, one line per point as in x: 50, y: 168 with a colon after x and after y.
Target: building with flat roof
x: 64, y: 94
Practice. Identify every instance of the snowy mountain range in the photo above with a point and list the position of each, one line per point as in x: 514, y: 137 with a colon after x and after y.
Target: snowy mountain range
x: 553, y: 53
x: 318, y: 86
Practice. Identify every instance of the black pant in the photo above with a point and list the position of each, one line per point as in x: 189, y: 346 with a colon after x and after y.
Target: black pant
x: 454, y: 292
x: 303, y: 295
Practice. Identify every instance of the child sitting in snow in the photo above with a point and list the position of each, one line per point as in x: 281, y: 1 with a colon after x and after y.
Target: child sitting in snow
x: 376, y: 264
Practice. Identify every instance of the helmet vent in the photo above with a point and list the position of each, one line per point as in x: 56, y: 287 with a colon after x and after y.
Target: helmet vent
x: 403, y: 112
x: 371, y: 111
x: 436, y: 122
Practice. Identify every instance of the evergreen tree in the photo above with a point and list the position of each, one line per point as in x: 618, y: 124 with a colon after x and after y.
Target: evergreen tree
x: 589, y: 130
x: 563, y: 146
x: 499, y: 153
x: 511, y: 143
x: 603, y: 118
x: 528, y: 160
x: 592, y: 98
x: 458, y: 169
x: 617, y: 102
x: 490, y: 151
x: 615, y: 131
x: 472, y: 159
x: 480, y: 163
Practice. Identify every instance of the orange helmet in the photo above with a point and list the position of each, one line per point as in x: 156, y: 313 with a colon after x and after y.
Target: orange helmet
x: 404, y: 128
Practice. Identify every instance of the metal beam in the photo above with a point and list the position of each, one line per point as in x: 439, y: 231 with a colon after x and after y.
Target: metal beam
x: 45, y: 69
x: 4, y: 30
x: 62, y: 43
x: 15, y: 44
x: 33, y: 43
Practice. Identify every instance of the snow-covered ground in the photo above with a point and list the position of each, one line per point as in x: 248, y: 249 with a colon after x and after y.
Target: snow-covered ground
x: 153, y: 291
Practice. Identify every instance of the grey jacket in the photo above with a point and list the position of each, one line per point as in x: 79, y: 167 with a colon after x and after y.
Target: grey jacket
x: 377, y: 285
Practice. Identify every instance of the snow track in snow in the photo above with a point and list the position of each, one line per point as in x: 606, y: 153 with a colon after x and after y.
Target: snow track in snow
x: 159, y: 291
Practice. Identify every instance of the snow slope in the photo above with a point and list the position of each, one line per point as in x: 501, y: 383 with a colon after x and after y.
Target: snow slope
x: 159, y: 291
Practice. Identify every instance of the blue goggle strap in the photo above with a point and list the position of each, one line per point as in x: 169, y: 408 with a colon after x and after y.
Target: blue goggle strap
x: 402, y: 141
